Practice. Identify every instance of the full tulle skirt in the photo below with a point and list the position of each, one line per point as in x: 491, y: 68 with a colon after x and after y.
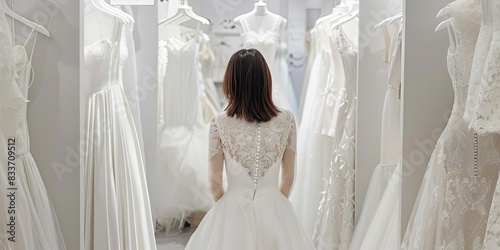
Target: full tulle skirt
x: 237, y: 222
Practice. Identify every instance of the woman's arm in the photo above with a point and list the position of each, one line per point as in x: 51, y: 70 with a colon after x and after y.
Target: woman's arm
x: 287, y: 172
x: 216, y: 160
x: 216, y: 168
x: 288, y: 161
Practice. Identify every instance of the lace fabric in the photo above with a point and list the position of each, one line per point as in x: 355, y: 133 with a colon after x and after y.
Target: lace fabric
x: 486, y: 118
x: 452, y: 208
x: 337, y: 118
x: 236, y: 138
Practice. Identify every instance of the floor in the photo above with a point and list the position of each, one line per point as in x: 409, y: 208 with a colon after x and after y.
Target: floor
x: 173, y: 242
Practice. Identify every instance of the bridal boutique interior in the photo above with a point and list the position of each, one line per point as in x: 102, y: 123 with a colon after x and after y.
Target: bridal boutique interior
x: 385, y: 158
x: 395, y: 106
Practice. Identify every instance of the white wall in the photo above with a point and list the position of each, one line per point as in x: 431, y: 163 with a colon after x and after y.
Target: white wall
x: 53, y: 113
x: 428, y: 95
x: 146, y: 42
x: 372, y: 87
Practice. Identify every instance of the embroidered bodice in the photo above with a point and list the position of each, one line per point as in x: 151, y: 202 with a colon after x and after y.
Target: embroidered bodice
x: 252, y: 151
x: 104, y: 61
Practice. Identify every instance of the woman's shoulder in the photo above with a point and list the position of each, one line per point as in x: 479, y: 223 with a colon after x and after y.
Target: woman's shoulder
x: 286, y: 114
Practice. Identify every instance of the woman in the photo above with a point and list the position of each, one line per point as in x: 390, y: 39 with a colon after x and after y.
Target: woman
x: 254, y: 138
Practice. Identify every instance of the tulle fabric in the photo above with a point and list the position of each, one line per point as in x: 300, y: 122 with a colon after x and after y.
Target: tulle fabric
x: 45, y: 230
x: 236, y: 222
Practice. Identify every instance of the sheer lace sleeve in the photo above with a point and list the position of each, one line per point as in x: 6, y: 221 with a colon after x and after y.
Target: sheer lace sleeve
x: 292, y: 135
x: 215, y: 144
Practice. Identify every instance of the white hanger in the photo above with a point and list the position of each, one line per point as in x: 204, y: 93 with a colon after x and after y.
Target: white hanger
x: 113, y: 12
x: 339, y: 11
x: 444, y: 11
x: 184, y: 13
x: 443, y: 24
x: 347, y: 18
x: 31, y: 24
x: 388, y: 20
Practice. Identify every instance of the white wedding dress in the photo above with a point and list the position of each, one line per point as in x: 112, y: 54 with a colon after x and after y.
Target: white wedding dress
x: 377, y: 226
x: 45, y: 232
x: 36, y: 222
x: 252, y: 214
x: 11, y: 102
x: 453, y: 205
x: 182, y: 168
x: 336, y: 118
x: 268, y: 44
x: 117, y: 213
x: 483, y: 106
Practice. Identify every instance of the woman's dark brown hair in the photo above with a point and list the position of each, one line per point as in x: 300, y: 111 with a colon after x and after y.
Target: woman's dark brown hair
x: 247, y: 86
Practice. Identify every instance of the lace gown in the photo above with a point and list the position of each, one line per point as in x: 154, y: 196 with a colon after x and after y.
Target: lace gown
x: 453, y: 204
x: 182, y: 168
x: 268, y: 43
x: 484, y: 116
x: 117, y: 213
x: 252, y: 213
x: 336, y: 118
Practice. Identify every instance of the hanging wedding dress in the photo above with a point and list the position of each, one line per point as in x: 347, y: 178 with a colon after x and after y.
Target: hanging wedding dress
x: 11, y: 103
x: 116, y: 200
x: 486, y: 101
x: 452, y: 208
x: 336, y: 118
x: 314, y: 150
x: 373, y: 225
x: 252, y: 213
x: 43, y: 221
x: 95, y: 24
x: 182, y: 166
x: 268, y: 44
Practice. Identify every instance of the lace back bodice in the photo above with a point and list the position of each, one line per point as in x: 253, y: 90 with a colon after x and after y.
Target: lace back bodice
x: 252, y: 147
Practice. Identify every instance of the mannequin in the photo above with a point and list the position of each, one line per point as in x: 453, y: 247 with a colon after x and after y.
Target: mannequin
x: 260, y: 8
x: 259, y: 18
x: 263, y: 30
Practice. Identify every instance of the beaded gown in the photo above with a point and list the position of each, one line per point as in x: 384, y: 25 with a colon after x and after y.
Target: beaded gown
x: 453, y: 205
x: 253, y: 213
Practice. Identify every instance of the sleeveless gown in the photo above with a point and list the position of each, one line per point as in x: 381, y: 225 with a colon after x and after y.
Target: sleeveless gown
x: 43, y: 221
x: 116, y: 201
x: 182, y: 168
x: 253, y: 213
x: 453, y: 205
